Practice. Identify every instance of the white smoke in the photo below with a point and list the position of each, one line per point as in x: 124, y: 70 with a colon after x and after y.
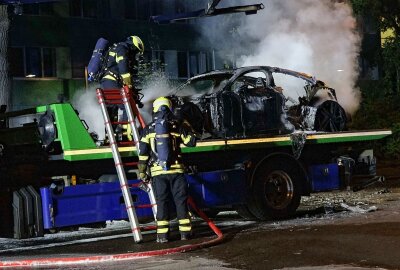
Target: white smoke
x: 85, y: 101
x: 311, y: 36
x: 155, y: 85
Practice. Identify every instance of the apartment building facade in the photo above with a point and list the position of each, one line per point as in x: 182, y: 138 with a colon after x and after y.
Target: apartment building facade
x: 51, y: 43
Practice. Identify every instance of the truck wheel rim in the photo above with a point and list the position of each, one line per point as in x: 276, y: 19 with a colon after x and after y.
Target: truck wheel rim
x: 278, y: 190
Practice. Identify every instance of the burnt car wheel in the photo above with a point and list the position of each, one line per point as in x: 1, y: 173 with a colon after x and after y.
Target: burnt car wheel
x: 276, y: 189
x: 191, y: 113
x: 330, y: 116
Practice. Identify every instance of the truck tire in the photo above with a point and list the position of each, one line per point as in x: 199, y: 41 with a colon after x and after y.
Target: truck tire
x: 245, y: 212
x: 276, y: 189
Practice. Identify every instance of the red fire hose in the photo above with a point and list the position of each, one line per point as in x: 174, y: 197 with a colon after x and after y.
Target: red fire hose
x: 123, y: 256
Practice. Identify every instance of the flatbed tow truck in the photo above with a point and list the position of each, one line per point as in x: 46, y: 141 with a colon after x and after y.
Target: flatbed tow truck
x: 54, y: 174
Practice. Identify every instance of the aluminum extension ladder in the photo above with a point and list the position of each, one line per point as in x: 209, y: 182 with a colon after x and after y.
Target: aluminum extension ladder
x: 115, y: 97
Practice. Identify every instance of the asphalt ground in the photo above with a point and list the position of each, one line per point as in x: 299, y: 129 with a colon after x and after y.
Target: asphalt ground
x: 324, y: 235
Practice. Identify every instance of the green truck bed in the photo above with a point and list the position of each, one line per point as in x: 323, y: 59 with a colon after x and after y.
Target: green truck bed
x: 78, y: 145
x: 235, y: 144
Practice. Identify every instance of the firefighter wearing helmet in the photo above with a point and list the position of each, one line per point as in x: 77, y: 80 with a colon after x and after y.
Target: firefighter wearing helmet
x: 160, y: 158
x: 122, y: 63
x: 120, y: 68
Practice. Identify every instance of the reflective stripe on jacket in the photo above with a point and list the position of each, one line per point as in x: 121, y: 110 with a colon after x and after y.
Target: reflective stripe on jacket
x: 118, y: 64
x: 148, y: 154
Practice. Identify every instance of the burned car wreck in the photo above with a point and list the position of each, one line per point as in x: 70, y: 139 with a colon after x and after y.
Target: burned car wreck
x: 248, y: 102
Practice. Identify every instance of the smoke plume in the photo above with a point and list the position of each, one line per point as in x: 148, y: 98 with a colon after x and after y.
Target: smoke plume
x: 155, y: 85
x: 311, y: 36
x: 85, y: 101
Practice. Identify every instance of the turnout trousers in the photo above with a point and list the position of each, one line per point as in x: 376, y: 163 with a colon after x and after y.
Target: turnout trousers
x: 173, y: 186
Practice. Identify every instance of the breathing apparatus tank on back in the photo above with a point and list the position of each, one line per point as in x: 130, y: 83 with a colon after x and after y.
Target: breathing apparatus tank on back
x: 164, y: 144
x: 95, y: 65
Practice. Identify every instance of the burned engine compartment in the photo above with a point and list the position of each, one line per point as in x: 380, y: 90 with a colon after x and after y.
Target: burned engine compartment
x: 247, y: 102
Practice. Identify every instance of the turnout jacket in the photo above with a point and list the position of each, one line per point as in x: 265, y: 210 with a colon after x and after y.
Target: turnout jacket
x: 120, y: 64
x: 179, y: 133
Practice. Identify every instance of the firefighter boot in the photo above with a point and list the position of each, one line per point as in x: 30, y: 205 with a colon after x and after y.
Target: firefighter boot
x: 162, y: 238
x: 185, y: 228
x: 186, y: 236
x: 162, y: 231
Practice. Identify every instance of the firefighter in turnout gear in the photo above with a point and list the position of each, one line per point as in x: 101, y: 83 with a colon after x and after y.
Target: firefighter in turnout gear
x: 122, y: 63
x: 121, y: 68
x: 160, y: 154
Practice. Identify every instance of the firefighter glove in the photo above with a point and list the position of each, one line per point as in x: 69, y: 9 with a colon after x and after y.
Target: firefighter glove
x: 144, y: 177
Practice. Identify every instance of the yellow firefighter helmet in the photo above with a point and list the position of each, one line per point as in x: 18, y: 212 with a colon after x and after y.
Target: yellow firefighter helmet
x: 161, y: 101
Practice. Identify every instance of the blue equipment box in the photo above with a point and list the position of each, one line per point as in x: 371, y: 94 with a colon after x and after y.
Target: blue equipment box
x: 324, y: 177
x: 85, y: 204
x: 217, y: 188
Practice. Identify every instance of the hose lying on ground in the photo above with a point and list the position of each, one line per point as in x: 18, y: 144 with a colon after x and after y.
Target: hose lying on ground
x: 123, y: 256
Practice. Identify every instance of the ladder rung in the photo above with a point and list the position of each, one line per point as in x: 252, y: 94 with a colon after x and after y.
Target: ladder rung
x: 130, y: 163
x: 111, y: 91
x: 126, y: 143
x: 120, y: 123
x: 144, y: 206
x: 111, y: 97
x: 114, y: 102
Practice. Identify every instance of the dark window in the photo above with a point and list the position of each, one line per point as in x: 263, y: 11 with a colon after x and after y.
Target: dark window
x: 105, y: 8
x: 75, y: 8
x: 144, y: 9
x: 38, y: 9
x: 78, y: 69
x: 158, y: 60
x: 33, y: 62
x: 31, y: 9
x: 16, y: 62
x: 49, y: 62
x: 182, y: 65
x: 203, y: 67
x: 194, y: 64
x: 78, y: 64
x: 158, y: 7
x: 46, y: 9
x: 179, y: 6
x: 83, y: 8
x: 89, y: 8
x: 130, y: 9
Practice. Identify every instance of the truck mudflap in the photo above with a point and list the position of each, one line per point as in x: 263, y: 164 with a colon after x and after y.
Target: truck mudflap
x: 88, y: 204
x: 27, y: 209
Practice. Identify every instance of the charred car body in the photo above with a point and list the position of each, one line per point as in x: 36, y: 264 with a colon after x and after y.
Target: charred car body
x: 248, y: 102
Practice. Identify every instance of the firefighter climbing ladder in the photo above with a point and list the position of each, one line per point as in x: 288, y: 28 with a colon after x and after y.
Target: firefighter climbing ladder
x: 124, y: 96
